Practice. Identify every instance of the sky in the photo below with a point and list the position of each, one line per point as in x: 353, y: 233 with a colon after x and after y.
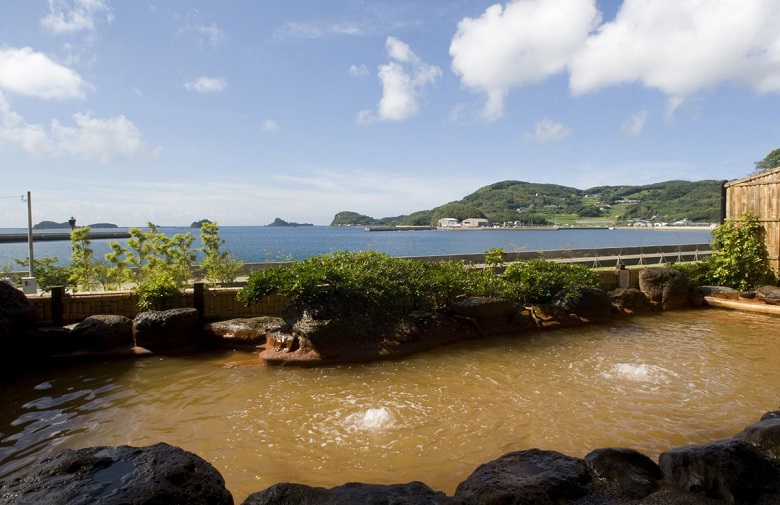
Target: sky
x: 242, y: 111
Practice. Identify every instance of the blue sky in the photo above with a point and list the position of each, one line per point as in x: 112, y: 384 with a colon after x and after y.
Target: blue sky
x: 241, y: 111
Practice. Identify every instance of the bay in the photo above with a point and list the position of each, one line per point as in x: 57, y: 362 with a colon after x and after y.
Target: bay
x: 258, y: 244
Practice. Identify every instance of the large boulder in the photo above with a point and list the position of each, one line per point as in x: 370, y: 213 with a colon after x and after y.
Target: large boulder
x: 103, y: 333
x: 769, y: 294
x: 154, y: 474
x: 17, y: 313
x: 589, y: 305
x: 166, y: 330
x: 413, y: 493
x: 665, y: 288
x: 243, y: 332
x: 532, y: 477
x: 629, y: 301
x: 623, y: 472
x: 729, y: 470
x: 494, y: 316
x: 764, y: 436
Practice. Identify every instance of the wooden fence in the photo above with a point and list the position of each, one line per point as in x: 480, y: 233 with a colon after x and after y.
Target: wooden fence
x: 759, y: 194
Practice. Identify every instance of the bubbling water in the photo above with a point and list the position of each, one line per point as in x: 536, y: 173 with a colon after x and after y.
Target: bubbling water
x: 371, y: 419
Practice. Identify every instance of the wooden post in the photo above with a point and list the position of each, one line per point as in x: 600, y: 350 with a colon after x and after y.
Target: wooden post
x: 198, y: 301
x: 57, y: 294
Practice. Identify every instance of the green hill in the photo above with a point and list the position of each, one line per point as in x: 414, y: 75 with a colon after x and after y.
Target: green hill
x: 540, y: 204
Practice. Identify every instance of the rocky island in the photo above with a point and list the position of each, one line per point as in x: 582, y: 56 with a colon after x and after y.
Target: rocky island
x: 282, y: 222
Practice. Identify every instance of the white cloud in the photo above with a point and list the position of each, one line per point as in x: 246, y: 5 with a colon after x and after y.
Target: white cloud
x: 73, y: 16
x: 521, y: 43
x: 269, y: 125
x: 205, y: 84
x: 215, y: 35
x: 634, y: 125
x: 681, y: 47
x: 316, y: 30
x: 547, y: 130
x: 102, y: 140
x: 358, y: 70
x: 403, y: 81
x: 26, y: 72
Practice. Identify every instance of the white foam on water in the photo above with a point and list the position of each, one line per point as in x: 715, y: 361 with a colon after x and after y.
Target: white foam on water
x: 371, y: 419
x: 641, y: 372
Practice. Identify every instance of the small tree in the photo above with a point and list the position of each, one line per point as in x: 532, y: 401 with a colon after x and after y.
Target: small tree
x: 740, y: 257
x: 48, y: 273
x: 770, y: 161
x: 219, y: 267
x: 83, y: 266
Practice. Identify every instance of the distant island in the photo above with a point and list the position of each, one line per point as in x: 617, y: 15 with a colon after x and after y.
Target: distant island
x: 51, y: 225
x: 521, y: 204
x: 199, y: 224
x: 282, y: 222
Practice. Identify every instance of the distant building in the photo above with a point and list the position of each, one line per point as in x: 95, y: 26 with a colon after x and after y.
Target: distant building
x: 475, y: 222
x: 448, y: 222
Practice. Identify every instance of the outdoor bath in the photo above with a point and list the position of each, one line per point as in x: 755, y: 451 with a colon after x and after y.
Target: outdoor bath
x: 648, y: 382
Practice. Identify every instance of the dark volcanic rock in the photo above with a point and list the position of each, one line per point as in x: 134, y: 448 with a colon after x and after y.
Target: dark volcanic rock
x: 729, y: 470
x: 17, y: 313
x: 249, y: 332
x: 764, y: 436
x: 629, y: 301
x: 331, y: 326
x: 624, y: 472
x: 494, y: 316
x: 103, y: 332
x: 157, y: 474
x: 532, y: 477
x: 666, y: 288
x: 413, y: 493
x: 165, y: 330
x: 589, y: 305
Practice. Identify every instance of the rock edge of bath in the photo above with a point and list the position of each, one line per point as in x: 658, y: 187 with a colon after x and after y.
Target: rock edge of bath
x: 743, y: 469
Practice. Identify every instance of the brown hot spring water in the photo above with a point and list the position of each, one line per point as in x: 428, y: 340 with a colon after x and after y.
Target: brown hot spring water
x: 648, y: 382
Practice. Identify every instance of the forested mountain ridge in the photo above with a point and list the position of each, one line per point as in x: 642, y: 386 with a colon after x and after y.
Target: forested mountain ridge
x: 539, y: 204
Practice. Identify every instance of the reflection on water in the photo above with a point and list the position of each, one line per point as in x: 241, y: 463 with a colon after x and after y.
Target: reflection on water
x: 649, y: 382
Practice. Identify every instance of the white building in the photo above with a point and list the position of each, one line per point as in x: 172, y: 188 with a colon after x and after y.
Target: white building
x: 448, y: 222
x: 475, y: 222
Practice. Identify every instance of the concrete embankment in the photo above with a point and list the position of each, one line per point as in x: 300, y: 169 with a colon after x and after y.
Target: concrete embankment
x: 57, y: 235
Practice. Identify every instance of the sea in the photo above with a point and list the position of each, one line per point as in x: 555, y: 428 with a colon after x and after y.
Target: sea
x: 261, y: 244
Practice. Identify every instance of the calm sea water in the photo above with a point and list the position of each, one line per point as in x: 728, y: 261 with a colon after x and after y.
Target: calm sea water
x: 257, y: 244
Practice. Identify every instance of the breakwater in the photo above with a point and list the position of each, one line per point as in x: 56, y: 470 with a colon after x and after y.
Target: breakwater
x: 60, y: 236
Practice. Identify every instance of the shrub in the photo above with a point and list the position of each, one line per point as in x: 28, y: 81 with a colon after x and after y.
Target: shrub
x: 740, y: 258
x: 157, y: 291
x: 538, y: 280
x: 394, y: 283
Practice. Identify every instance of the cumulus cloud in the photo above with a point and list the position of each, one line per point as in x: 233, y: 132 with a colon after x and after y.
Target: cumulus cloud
x: 215, y: 35
x: 521, y: 43
x: 66, y: 17
x: 205, y: 84
x: 681, y: 47
x: 27, y: 72
x: 94, y: 139
x: 547, y: 130
x: 404, y: 79
x: 634, y: 125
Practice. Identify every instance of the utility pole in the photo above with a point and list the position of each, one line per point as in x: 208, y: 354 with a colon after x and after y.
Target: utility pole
x: 29, y: 286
